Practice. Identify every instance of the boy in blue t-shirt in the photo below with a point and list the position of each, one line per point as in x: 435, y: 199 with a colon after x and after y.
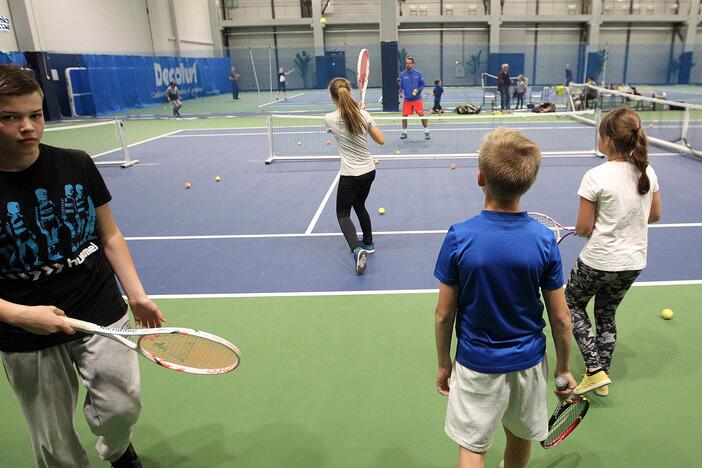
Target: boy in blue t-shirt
x: 491, y: 268
x: 437, y: 92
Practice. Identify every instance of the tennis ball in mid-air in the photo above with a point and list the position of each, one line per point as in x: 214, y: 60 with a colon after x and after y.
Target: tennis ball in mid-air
x: 381, y: 211
x: 187, y: 185
x: 323, y: 20
x: 218, y: 179
x: 667, y: 314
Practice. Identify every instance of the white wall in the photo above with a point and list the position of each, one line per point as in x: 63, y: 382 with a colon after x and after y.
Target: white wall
x: 7, y: 38
x: 97, y: 26
x: 195, y: 33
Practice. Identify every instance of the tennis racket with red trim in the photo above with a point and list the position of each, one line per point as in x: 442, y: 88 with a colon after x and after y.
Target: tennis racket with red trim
x: 566, y: 417
x: 363, y: 75
x: 179, y: 349
x: 559, y: 231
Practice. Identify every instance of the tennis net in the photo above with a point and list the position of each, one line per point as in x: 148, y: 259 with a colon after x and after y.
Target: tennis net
x: 672, y: 125
x: 103, y: 141
x: 297, y: 137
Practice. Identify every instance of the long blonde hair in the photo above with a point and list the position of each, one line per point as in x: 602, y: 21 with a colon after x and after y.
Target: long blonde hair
x: 340, y: 91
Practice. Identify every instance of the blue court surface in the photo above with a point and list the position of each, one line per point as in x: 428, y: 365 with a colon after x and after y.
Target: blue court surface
x: 273, y: 229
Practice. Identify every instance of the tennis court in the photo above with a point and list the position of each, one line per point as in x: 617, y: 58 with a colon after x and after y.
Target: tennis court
x: 337, y: 369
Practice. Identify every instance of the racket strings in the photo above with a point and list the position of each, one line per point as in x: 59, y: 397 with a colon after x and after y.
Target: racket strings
x: 565, y: 421
x: 189, y: 351
x: 549, y: 223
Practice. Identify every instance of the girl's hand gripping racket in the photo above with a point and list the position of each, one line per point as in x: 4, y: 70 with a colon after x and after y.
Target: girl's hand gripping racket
x: 180, y: 349
x: 566, y: 417
x: 558, y: 230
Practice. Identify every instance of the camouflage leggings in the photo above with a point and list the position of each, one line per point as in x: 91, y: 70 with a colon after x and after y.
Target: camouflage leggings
x: 609, y: 288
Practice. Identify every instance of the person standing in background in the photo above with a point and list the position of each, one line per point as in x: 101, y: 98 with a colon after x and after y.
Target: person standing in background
x: 234, y: 78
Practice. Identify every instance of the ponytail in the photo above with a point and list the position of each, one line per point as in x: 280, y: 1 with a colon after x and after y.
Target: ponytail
x: 628, y: 140
x: 348, y: 108
x: 639, y: 158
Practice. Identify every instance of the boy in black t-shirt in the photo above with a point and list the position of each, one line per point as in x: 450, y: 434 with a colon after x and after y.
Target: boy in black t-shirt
x: 60, y: 249
x: 438, y: 91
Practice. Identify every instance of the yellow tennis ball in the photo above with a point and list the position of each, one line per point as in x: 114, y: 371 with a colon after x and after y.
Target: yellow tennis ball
x: 323, y: 20
x: 187, y: 185
x: 397, y: 152
x: 376, y: 161
x: 299, y: 143
x: 667, y: 314
x: 218, y: 179
x: 381, y: 211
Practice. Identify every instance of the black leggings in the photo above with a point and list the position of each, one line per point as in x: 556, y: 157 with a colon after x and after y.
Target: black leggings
x: 352, y: 192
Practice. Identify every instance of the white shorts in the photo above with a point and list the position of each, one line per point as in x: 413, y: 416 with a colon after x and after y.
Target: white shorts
x: 478, y: 402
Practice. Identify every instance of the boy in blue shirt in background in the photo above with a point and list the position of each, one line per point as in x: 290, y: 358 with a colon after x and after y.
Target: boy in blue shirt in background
x: 491, y: 268
x: 438, y: 91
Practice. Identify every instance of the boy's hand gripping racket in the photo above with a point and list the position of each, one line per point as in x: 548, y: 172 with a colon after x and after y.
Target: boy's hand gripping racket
x: 566, y: 417
x: 362, y: 75
x: 558, y: 230
x: 180, y: 349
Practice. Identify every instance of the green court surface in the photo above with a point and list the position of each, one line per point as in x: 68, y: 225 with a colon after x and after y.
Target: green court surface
x: 348, y: 381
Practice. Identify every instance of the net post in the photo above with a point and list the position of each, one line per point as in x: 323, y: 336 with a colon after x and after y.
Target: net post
x: 598, y: 118
x: 685, y: 125
x: 128, y: 161
x: 269, y: 124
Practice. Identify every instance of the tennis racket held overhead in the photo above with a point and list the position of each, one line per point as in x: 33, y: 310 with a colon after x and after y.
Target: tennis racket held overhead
x: 559, y: 231
x: 179, y: 349
x: 363, y: 75
x: 566, y: 417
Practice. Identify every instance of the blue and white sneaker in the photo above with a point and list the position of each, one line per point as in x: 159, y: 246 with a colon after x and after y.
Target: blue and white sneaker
x: 359, y: 255
x: 369, y: 248
x: 403, y: 136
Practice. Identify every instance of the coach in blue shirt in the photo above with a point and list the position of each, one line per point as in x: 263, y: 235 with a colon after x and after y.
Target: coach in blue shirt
x: 411, y: 86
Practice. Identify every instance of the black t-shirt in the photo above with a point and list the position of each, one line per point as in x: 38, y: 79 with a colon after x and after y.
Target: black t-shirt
x: 438, y: 91
x: 50, y: 251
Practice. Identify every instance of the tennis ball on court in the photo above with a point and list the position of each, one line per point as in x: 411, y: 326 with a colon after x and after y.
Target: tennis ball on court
x: 299, y: 143
x: 397, y: 152
x: 218, y: 179
x: 187, y: 185
x: 327, y: 142
x: 376, y: 161
x: 381, y: 211
x: 688, y: 145
x: 667, y: 314
x: 323, y: 20
x: 453, y: 167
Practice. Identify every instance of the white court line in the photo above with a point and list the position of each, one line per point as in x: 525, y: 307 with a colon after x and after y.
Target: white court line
x: 316, y: 216
x: 200, y: 135
x: 331, y: 234
x: 280, y: 100
x: 368, y: 293
x: 154, y: 138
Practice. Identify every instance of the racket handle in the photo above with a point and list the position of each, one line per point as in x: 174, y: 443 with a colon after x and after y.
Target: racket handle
x: 561, y: 383
x: 79, y: 325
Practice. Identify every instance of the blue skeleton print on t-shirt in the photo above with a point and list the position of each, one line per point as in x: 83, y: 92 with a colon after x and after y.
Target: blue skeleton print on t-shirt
x: 25, y: 240
x: 48, y: 222
x: 32, y: 235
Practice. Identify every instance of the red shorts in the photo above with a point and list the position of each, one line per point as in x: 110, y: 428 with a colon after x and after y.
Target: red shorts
x: 410, y: 107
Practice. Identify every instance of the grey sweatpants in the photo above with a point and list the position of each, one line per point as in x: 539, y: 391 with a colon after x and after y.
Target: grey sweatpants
x: 46, y: 384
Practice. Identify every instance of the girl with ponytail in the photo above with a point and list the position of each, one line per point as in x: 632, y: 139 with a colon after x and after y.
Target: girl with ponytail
x: 350, y: 125
x: 617, y: 201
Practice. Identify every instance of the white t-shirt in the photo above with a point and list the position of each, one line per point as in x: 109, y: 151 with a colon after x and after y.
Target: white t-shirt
x: 356, y: 159
x: 619, y: 240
